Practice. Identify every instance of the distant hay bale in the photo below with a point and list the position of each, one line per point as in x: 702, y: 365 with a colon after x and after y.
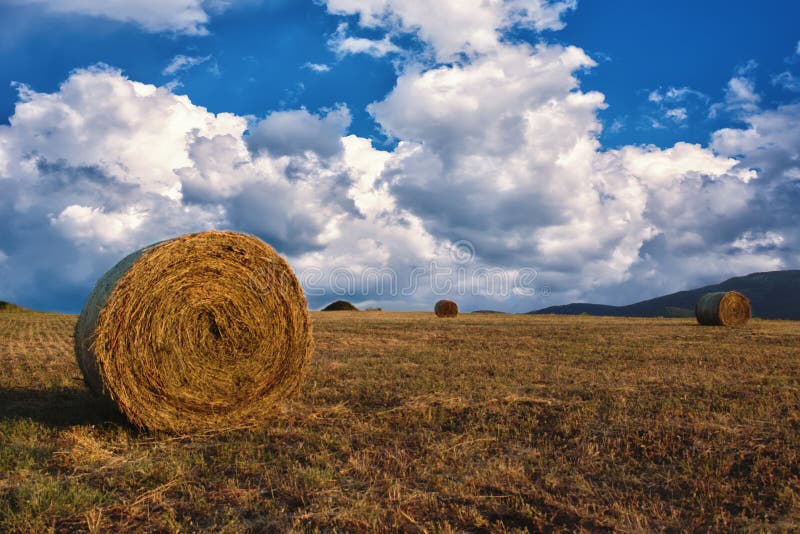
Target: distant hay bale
x: 723, y: 309
x: 446, y: 308
x: 340, y: 305
x: 205, y: 331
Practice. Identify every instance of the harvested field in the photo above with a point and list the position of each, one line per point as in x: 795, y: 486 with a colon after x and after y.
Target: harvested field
x: 494, y: 423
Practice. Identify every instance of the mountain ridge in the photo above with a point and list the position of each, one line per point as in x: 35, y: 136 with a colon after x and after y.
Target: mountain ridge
x: 773, y: 295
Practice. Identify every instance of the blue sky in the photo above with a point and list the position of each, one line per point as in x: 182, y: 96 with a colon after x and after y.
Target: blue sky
x: 616, y: 150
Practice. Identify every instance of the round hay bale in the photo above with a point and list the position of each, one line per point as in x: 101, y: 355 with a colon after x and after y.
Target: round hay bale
x: 205, y: 331
x: 446, y: 308
x: 340, y: 305
x: 723, y: 309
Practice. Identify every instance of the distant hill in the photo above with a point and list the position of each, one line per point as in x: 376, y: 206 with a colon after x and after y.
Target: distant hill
x: 7, y: 306
x: 340, y: 305
x: 773, y: 295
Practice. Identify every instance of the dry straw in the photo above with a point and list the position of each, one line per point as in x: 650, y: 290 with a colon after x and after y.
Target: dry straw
x: 723, y: 309
x: 446, y: 308
x: 204, y: 331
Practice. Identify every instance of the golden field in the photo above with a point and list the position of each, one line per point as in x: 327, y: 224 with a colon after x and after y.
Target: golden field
x: 489, y: 423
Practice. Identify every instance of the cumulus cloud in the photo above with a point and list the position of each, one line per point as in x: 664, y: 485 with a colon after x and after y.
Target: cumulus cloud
x: 751, y: 242
x: 499, y: 148
x: 284, y: 133
x: 454, y: 27
x: 178, y: 16
x: 344, y: 44
x: 504, y: 150
x: 106, y: 165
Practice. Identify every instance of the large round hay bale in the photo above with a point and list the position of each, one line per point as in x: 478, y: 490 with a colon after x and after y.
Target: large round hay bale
x: 205, y: 331
x: 723, y: 309
x: 446, y: 308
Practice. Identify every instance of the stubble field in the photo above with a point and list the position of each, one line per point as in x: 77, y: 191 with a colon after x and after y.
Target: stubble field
x: 493, y: 423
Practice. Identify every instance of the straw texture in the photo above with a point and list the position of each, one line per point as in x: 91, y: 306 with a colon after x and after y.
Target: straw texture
x: 446, y: 308
x: 723, y: 309
x: 204, y: 331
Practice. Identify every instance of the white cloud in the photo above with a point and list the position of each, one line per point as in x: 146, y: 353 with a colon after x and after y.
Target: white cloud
x: 92, y: 226
x: 741, y: 92
x: 787, y: 80
x: 661, y: 167
x: 679, y: 115
x: 317, y: 67
x: 133, y: 132
x: 177, y: 16
x: 504, y: 151
x: 617, y: 125
x: 741, y: 97
x: 675, y: 104
x: 344, y: 44
x: 284, y: 133
x: 682, y: 93
x: 751, y: 242
x: 500, y: 148
x: 655, y: 96
x: 675, y: 94
x: 453, y: 27
x: 106, y: 165
x: 181, y: 63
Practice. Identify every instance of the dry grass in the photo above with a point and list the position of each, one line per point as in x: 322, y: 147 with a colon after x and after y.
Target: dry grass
x: 484, y: 423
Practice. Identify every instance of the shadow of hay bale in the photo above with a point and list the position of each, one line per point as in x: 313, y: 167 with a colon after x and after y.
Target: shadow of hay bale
x: 57, y: 407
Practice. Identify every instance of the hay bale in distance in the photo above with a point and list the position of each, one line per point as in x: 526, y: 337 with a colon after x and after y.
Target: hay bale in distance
x: 204, y: 331
x: 340, y: 305
x: 723, y: 309
x: 446, y: 308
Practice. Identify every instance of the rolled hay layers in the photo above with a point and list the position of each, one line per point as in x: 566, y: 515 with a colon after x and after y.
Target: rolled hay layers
x: 204, y: 331
x: 723, y: 309
x: 446, y: 308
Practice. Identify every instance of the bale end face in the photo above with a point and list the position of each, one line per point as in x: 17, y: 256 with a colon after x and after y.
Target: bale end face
x: 446, y: 308
x: 205, y: 331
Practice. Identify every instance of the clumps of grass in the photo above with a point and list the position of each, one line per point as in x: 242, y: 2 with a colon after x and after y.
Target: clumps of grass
x: 491, y: 423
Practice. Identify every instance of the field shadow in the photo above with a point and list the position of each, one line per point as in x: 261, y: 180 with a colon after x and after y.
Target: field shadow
x: 57, y: 407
